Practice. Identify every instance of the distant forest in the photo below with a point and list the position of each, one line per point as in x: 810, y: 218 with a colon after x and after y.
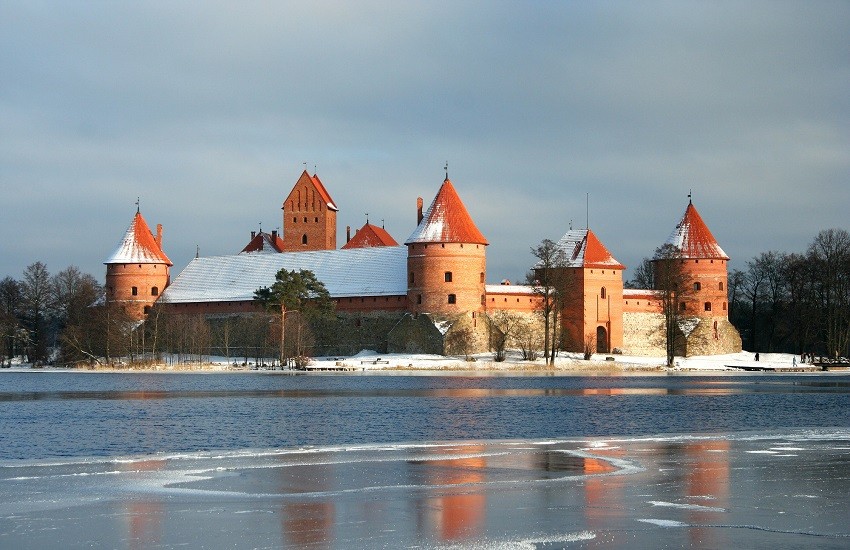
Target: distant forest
x: 796, y: 302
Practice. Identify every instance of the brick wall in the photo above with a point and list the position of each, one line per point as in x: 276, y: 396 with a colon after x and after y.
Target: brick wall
x: 136, y: 286
x: 429, y: 291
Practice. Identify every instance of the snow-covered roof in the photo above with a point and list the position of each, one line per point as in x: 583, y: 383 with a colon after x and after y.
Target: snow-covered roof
x: 446, y: 221
x: 379, y: 271
x: 583, y: 249
x: 138, y: 246
x: 370, y: 235
x: 264, y: 243
x: 508, y: 289
x: 693, y: 238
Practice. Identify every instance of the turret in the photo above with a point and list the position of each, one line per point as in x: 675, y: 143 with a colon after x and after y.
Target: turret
x: 592, y: 294
x: 446, y: 259
x: 138, y: 271
x: 704, y: 266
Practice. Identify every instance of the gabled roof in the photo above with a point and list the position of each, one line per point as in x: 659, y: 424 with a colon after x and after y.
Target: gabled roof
x: 314, y: 180
x: 370, y: 235
x: 447, y: 221
x: 264, y: 243
x: 583, y: 249
x: 378, y: 271
x: 693, y: 238
x: 138, y: 246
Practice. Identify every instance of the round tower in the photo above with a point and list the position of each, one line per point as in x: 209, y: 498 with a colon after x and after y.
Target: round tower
x: 138, y: 271
x: 704, y: 266
x: 446, y: 258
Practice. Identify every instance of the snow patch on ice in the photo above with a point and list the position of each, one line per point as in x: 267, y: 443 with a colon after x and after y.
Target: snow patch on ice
x: 686, y: 506
x: 663, y: 522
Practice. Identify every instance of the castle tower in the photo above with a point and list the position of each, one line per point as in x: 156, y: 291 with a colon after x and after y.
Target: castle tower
x: 593, y: 294
x: 446, y: 259
x: 309, y: 216
x: 704, y: 266
x: 137, y: 272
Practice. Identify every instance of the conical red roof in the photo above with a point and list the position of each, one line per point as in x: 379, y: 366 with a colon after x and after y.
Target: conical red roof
x: 693, y: 238
x: 138, y: 246
x: 370, y: 235
x: 583, y: 249
x: 447, y: 221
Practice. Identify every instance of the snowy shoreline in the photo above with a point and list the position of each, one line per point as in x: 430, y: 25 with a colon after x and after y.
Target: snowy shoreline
x: 372, y: 363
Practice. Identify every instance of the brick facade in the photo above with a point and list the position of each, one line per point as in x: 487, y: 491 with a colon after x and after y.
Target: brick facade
x: 446, y: 278
x: 136, y: 286
x: 309, y: 217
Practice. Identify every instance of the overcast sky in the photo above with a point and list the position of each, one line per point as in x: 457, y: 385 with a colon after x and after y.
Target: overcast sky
x: 208, y: 111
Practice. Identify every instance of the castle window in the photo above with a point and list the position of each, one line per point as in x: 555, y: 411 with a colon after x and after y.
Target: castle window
x: 154, y: 291
x: 294, y: 220
x: 696, y: 261
x: 418, y: 298
x: 442, y: 245
x: 697, y: 286
x: 720, y: 285
x: 134, y: 291
x: 412, y: 278
x: 317, y: 220
x: 602, y: 293
x: 448, y: 276
x: 708, y: 306
x: 724, y: 306
x: 452, y: 299
x: 482, y: 276
x: 304, y: 238
x: 305, y: 219
x: 682, y: 306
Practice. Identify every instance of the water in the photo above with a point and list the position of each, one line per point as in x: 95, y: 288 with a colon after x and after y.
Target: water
x: 269, y: 461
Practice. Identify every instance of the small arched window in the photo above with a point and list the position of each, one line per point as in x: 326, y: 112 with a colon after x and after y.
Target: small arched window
x: 154, y: 291
x: 720, y: 285
x: 682, y: 306
x: 452, y: 299
x: 602, y: 293
x: 304, y: 239
x: 412, y: 278
x: 708, y: 306
x: 697, y: 286
x: 448, y: 276
x: 134, y: 291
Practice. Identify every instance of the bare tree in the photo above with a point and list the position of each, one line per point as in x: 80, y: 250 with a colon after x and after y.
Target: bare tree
x: 548, y: 281
x: 36, y: 296
x: 829, y: 255
x: 643, y: 276
x: 504, y: 327
x: 673, y: 286
x: 10, y: 306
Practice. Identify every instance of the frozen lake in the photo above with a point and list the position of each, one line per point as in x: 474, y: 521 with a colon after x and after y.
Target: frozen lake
x: 166, y: 461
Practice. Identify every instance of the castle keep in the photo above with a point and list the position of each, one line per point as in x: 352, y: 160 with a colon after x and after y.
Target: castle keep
x: 431, y: 293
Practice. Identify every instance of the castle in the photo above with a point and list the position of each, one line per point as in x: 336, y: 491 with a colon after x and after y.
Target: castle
x: 435, y: 284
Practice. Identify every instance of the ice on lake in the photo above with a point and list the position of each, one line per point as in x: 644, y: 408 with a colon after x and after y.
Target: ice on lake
x: 784, y: 489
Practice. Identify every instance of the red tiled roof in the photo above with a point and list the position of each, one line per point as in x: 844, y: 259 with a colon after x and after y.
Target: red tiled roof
x: 596, y: 255
x: 370, y: 235
x: 138, y: 246
x: 326, y: 197
x: 447, y: 221
x: 583, y: 249
x: 264, y: 242
x: 693, y: 238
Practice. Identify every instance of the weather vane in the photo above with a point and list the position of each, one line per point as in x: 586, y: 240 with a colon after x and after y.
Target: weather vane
x: 447, y: 169
x: 137, y: 205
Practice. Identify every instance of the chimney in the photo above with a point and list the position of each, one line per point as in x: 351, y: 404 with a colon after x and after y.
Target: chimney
x: 253, y: 234
x: 347, y: 233
x: 274, y: 235
x: 159, y: 235
x: 418, y: 210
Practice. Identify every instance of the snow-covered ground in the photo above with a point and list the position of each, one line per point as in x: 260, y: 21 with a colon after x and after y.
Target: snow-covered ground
x: 368, y: 360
